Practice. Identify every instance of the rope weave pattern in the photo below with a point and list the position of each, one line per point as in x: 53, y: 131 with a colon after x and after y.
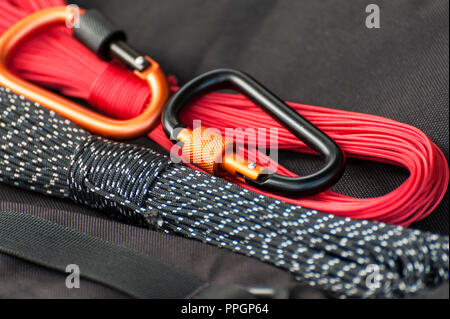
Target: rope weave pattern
x: 41, y: 151
x: 105, y: 175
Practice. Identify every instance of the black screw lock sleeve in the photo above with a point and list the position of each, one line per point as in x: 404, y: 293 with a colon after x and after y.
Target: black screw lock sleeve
x: 105, y: 39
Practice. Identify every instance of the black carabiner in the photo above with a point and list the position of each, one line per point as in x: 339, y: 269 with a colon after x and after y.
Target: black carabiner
x: 299, y: 126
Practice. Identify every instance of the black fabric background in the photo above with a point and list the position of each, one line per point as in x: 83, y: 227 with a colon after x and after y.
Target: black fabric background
x: 313, y: 52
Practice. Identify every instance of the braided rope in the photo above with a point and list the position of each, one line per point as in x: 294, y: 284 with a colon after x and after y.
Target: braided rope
x: 43, y: 152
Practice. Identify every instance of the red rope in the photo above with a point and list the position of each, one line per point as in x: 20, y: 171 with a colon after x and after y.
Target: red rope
x: 57, y: 60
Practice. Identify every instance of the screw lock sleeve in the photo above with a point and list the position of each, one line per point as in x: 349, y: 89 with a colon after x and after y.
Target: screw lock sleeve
x: 97, y: 33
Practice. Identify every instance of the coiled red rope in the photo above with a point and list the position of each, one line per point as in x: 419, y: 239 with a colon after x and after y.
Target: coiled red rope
x: 56, y: 60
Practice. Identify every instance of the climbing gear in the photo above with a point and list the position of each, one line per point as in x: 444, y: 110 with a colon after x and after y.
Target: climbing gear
x: 55, y: 59
x: 99, y: 35
x: 110, y: 43
x: 199, y: 144
x: 44, y: 152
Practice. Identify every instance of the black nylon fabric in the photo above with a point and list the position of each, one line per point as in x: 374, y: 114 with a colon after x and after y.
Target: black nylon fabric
x: 54, y: 246
x: 24, y: 280
x: 313, y: 52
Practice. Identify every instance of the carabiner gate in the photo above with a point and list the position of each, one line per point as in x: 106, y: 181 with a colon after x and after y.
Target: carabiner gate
x: 99, y: 35
x: 271, y: 104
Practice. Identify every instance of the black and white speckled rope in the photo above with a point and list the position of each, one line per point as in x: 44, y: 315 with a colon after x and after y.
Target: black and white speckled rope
x: 43, y: 152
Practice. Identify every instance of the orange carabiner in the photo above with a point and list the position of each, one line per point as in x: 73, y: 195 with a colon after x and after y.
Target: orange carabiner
x: 91, y: 121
